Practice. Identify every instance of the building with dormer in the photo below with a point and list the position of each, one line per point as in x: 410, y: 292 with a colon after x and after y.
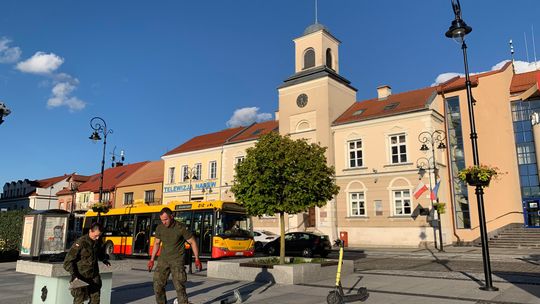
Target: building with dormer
x: 375, y: 147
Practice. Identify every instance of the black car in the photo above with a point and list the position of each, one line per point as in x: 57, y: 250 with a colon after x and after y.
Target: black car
x: 306, y: 244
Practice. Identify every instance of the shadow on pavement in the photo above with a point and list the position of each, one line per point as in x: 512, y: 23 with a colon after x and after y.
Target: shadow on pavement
x: 246, y: 290
x: 133, y: 292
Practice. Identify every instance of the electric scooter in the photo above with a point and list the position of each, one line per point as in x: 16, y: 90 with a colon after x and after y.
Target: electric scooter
x: 337, y: 296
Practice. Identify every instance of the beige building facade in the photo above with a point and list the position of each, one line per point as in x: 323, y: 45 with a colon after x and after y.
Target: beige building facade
x: 375, y: 147
x: 144, y: 186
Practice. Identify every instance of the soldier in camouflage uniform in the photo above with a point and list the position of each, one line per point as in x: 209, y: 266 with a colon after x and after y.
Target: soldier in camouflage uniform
x: 82, y: 263
x: 171, y: 235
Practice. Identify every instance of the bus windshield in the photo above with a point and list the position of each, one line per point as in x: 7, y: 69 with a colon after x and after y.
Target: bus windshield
x: 234, y: 225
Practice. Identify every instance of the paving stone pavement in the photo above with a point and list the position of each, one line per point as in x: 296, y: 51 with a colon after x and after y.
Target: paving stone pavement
x: 393, y: 277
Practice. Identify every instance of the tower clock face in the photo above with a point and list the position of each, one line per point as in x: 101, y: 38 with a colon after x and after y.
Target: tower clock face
x: 301, y: 100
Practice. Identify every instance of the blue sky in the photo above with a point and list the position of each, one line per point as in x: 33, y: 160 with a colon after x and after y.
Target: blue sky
x: 161, y: 72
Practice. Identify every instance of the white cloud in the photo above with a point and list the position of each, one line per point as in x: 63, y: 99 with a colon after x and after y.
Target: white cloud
x: 40, y: 63
x: 524, y: 66
x: 520, y: 66
x: 61, y: 94
x: 247, y: 116
x: 8, y: 54
x: 445, y: 77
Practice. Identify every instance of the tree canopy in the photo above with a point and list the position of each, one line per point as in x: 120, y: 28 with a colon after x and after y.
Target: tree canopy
x: 281, y: 175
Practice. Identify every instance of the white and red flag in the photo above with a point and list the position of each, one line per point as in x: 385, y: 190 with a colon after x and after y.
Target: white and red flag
x: 421, y: 188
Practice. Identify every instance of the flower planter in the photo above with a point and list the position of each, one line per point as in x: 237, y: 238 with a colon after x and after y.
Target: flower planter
x: 473, y: 180
x: 247, y: 270
x: 100, y: 210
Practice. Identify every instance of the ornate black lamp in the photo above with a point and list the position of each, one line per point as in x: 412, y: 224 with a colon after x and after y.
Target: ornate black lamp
x: 457, y: 31
x: 191, y: 174
x: 437, y: 137
x: 100, y: 126
x: 4, y: 111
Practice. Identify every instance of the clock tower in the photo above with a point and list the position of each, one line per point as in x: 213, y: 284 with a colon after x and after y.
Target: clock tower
x: 315, y: 95
x: 309, y: 102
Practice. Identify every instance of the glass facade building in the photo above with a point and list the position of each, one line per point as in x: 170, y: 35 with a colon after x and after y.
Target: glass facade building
x: 457, y: 163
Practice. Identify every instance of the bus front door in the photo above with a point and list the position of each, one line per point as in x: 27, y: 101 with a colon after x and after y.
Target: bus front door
x: 141, y: 239
x: 202, y: 228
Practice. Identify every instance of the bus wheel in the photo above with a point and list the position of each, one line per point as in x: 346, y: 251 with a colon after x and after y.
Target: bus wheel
x: 109, y: 248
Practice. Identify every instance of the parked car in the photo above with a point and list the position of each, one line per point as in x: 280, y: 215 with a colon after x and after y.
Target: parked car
x: 262, y: 237
x: 306, y: 244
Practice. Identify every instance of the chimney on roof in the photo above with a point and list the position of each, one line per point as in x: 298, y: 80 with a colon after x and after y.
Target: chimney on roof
x: 384, y: 91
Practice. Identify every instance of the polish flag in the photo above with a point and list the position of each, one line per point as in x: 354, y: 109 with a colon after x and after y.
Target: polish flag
x: 435, y: 190
x: 421, y: 188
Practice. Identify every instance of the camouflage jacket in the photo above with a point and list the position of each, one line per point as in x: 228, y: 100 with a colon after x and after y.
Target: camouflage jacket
x: 82, y: 259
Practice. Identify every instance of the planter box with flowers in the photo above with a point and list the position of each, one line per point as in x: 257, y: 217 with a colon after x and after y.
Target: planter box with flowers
x: 479, y: 175
x: 440, y: 207
x: 100, y: 207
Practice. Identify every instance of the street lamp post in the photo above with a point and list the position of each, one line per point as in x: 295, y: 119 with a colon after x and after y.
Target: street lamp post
x: 428, y: 141
x: 206, y: 191
x: 458, y: 30
x: 100, y: 126
x: 191, y: 174
x: 50, y: 194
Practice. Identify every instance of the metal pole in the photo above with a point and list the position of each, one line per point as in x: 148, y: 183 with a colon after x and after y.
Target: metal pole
x: 102, y: 166
x: 430, y: 200
x: 50, y: 194
x: 479, y: 191
x: 441, y: 246
x: 190, y: 178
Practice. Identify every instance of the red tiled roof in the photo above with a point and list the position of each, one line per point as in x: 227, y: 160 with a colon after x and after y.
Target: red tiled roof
x: 255, y: 131
x: 458, y: 83
x: 79, y: 178
x: 205, y: 141
x: 47, y: 182
x: 522, y: 82
x: 150, y: 173
x: 64, y: 191
x: 394, y: 104
x: 111, y: 177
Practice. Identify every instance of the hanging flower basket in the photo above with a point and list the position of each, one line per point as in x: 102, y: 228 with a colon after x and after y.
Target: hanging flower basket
x: 474, y: 180
x: 479, y: 175
x: 100, y: 208
x: 440, y: 207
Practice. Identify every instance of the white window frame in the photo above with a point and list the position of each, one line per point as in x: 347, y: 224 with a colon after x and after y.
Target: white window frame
x: 105, y: 197
x: 185, y: 172
x: 198, y: 171
x: 358, y: 197
x: 126, y: 195
x: 146, y: 192
x: 398, y: 144
x: 238, y: 159
x: 405, y: 194
x: 355, y: 151
x: 170, y: 177
x: 212, y: 170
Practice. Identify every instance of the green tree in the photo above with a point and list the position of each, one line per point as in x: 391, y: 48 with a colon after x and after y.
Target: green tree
x: 280, y: 175
x: 11, y: 226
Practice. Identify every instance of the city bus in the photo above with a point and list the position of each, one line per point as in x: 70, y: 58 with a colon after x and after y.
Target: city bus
x: 222, y: 229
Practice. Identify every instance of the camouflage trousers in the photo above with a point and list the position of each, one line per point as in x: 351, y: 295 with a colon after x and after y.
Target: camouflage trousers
x: 179, y: 278
x: 91, y: 292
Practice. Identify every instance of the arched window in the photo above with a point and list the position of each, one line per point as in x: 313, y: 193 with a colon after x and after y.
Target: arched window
x: 329, y: 58
x: 309, y: 58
